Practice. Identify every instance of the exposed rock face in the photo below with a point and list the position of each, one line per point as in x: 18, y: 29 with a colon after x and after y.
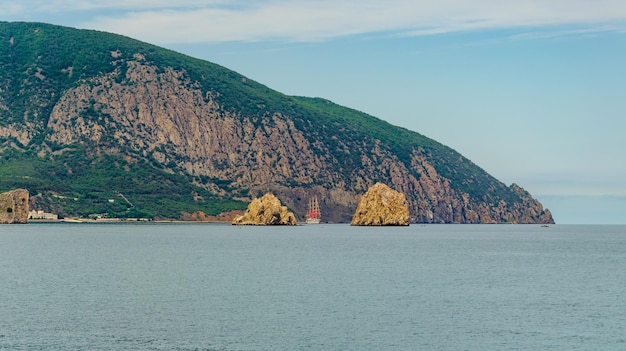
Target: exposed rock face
x: 266, y: 210
x: 167, y: 117
x: 382, y: 205
x: 14, y: 207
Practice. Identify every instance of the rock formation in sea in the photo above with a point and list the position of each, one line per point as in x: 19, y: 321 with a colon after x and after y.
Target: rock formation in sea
x: 380, y: 206
x: 266, y: 210
x: 14, y: 207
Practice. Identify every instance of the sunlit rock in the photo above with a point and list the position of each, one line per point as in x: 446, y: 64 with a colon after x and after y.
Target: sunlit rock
x: 14, y: 207
x: 266, y: 210
x: 380, y: 206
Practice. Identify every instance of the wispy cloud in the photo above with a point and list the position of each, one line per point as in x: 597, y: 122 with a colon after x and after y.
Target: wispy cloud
x: 163, y: 21
x: 543, y: 34
x: 55, y: 6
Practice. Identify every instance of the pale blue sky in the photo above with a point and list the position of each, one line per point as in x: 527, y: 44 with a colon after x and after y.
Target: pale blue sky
x: 533, y: 91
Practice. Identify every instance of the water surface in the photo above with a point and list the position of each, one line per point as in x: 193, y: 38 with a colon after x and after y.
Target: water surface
x: 317, y: 287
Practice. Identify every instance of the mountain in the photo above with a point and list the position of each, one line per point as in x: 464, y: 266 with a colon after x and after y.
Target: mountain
x: 92, y: 122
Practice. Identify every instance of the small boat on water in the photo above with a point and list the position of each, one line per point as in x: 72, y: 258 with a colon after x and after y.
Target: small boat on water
x: 314, y: 215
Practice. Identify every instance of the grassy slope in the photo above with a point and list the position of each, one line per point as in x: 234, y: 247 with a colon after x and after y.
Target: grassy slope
x: 72, y: 186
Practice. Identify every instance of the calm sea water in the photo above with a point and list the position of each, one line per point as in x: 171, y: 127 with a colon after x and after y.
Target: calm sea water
x: 327, y: 287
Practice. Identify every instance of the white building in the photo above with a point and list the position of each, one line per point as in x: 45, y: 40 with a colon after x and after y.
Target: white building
x: 39, y: 214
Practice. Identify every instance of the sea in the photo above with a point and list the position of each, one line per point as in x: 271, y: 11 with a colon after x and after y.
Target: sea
x: 217, y: 287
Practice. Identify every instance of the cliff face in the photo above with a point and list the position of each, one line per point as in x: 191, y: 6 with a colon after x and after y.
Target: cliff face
x: 167, y: 118
x: 237, y: 139
x: 14, y: 207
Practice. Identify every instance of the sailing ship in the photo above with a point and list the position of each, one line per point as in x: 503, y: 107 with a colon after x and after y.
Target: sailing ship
x: 314, y: 216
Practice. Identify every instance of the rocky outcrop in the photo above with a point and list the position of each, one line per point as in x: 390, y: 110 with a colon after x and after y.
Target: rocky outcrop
x: 14, y: 207
x: 532, y: 211
x: 380, y: 206
x: 266, y: 210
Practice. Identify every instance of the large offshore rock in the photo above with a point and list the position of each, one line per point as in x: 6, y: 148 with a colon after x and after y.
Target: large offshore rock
x: 266, y: 210
x: 382, y: 205
x: 14, y: 207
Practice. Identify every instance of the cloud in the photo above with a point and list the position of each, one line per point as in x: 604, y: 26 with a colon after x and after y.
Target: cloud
x: 55, y: 6
x: 579, y: 182
x: 576, y: 209
x: 567, y: 33
x: 163, y: 21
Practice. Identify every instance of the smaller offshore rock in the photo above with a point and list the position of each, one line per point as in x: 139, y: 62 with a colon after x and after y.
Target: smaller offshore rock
x: 266, y: 210
x: 14, y: 207
x: 381, y: 206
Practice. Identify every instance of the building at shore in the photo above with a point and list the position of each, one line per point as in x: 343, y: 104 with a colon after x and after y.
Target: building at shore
x: 41, y: 215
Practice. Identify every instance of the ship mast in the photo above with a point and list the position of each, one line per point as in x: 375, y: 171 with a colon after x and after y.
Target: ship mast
x: 314, y: 208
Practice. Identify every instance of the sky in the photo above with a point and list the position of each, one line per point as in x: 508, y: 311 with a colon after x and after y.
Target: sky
x: 532, y: 91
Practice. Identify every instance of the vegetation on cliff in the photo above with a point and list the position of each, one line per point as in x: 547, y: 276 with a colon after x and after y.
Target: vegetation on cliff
x: 86, y: 116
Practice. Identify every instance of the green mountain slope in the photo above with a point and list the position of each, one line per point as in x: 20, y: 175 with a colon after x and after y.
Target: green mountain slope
x: 86, y: 116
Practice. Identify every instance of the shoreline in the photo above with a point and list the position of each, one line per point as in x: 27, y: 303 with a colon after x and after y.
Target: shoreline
x: 112, y: 221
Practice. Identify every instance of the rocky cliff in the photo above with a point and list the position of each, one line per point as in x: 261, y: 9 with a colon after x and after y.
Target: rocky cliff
x: 381, y: 206
x: 266, y: 210
x: 14, y: 207
x: 144, y: 114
